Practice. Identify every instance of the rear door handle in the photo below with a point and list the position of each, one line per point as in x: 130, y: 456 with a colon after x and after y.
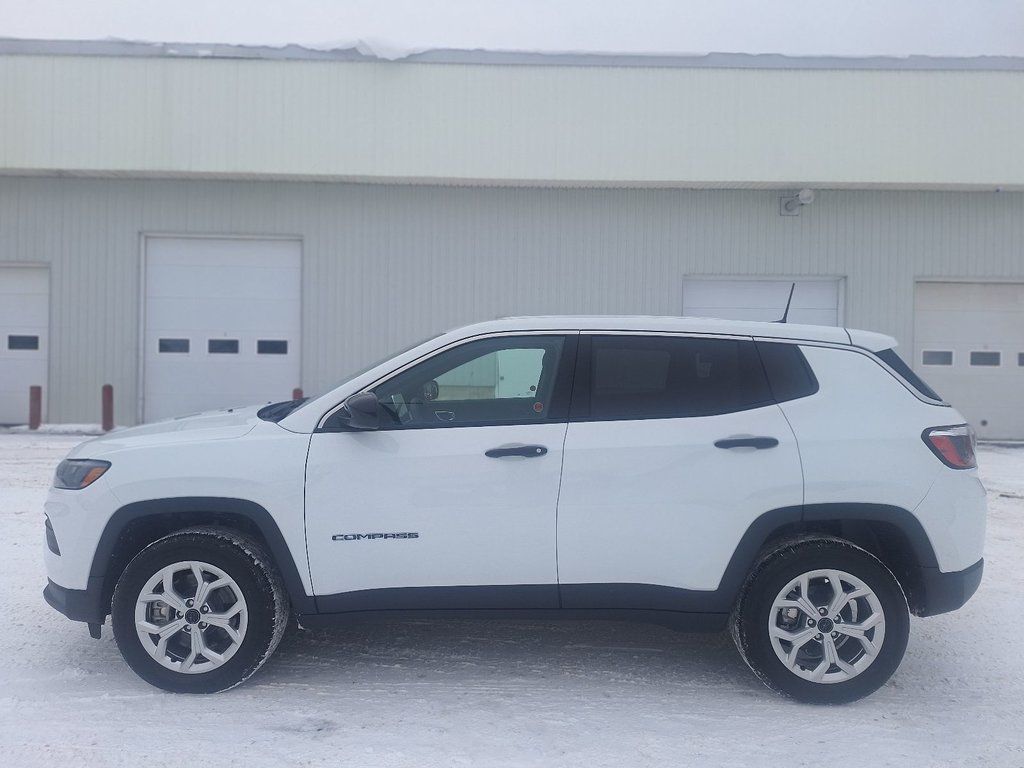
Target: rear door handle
x: 525, y: 451
x: 747, y: 442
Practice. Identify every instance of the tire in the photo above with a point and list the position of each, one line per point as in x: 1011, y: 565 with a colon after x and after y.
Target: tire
x: 772, y: 623
x: 206, y: 645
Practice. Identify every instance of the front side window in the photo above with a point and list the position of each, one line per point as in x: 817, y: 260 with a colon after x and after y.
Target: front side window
x: 652, y: 377
x: 504, y: 380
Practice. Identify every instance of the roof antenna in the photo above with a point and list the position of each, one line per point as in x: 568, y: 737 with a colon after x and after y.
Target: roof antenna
x: 785, y: 315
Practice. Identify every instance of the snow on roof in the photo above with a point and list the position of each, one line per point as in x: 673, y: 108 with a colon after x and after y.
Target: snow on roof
x: 376, y: 50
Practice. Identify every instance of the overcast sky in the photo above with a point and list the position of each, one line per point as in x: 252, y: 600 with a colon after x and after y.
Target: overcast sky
x: 794, y: 27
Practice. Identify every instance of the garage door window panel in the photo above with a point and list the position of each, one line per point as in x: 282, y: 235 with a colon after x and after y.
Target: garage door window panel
x: 937, y: 357
x: 655, y: 377
x: 222, y: 346
x: 25, y: 343
x: 986, y: 359
x: 173, y: 346
x: 271, y: 347
x: 492, y: 381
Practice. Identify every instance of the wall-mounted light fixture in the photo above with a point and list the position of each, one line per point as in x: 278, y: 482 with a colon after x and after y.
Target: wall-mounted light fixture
x: 790, y: 206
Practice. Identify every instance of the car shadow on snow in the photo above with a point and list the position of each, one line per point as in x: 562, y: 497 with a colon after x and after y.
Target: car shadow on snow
x: 497, y: 652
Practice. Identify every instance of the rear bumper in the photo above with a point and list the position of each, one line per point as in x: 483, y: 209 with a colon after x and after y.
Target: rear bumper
x: 78, y: 604
x: 944, y: 592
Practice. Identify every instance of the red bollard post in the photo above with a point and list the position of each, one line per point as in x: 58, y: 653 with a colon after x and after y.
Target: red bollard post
x: 108, y: 407
x: 35, y: 407
x: 297, y: 393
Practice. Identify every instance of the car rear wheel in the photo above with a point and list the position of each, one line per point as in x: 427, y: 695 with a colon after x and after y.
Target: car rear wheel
x: 199, y: 611
x: 822, y: 620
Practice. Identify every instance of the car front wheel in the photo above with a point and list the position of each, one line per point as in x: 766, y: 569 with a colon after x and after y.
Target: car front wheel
x: 822, y: 620
x: 199, y: 611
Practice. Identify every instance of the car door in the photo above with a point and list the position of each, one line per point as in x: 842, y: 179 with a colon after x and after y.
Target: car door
x: 675, y: 446
x: 451, y: 502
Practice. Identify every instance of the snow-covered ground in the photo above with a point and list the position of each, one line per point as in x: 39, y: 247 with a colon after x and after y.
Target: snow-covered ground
x: 450, y: 693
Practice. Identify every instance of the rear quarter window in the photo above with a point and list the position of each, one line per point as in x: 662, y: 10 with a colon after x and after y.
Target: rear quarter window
x: 789, y: 374
x: 894, y: 361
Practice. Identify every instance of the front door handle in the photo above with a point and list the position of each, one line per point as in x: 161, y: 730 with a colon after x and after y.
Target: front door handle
x: 525, y: 451
x: 747, y: 442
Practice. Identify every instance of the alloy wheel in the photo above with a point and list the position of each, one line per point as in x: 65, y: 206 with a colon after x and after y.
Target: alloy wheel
x: 826, y: 626
x: 191, y: 617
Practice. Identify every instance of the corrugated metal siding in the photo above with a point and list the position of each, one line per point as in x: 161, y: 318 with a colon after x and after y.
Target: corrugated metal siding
x: 384, y: 265
x: 539, y: 124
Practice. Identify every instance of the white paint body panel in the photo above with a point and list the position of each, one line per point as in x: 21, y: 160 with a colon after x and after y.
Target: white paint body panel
x: 480, y: 520
x: 875, y: 342
x: 860, y: 442
x: 654, y: 502
x: 975, y: 317
x: 232, y: 455
x: 24, y: 311
x: 220, y: 288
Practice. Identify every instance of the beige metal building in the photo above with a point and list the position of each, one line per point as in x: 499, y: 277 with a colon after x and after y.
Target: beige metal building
x: 203, y: 226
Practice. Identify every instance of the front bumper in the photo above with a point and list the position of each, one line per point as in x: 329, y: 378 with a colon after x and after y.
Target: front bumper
x: 78, y: 604
x: 945, y: 592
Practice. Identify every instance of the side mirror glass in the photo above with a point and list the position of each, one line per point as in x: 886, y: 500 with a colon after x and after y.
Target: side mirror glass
x: 360, y: 411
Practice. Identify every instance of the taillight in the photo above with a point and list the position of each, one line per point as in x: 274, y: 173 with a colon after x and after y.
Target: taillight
x: 953, y: 445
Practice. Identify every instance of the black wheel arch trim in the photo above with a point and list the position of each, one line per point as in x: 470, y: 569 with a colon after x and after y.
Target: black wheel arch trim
x: 774, y: 526
x: 770, y: 527
x: 906, y: 522
x: 204, y: 505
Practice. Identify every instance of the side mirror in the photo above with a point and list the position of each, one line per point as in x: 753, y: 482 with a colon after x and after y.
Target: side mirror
x: 360, y: 411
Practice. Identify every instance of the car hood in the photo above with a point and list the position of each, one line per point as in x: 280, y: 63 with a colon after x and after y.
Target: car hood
x: 211, y: 425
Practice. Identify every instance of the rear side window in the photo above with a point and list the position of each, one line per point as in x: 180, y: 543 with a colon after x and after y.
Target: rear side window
x: 663, y: 377
x: 894, y: 361
x: 789, y: 374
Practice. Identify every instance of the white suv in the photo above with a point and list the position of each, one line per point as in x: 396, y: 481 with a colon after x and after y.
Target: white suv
x: 800, y: 484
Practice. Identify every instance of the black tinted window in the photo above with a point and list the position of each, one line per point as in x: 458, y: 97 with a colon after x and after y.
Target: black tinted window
x: 650, y: 377
x: 894, y: 361
x: 789, y: 374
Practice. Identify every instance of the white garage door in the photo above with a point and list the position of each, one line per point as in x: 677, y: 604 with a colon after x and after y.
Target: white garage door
x: 969, y: 346
x: 222, y: 323
x: 24, y: 326
x: 815, y: 301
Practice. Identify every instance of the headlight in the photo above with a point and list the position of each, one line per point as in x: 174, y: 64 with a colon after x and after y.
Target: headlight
x: 76, y: 474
